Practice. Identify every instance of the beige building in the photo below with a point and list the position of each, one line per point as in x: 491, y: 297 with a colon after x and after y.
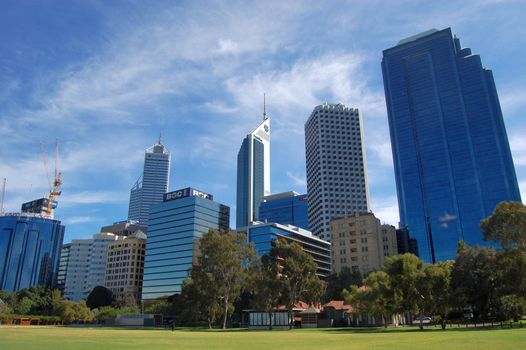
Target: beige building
x: 361, y: 243
x: 125, y: 265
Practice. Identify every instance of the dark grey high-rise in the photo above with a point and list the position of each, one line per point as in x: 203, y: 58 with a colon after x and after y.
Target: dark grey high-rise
x: 451, y: 155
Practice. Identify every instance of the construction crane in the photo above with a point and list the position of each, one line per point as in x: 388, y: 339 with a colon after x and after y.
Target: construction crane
x: 55, y: 186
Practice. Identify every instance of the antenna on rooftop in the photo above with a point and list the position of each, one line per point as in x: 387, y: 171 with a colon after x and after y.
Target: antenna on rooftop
x: 160, y: 136
x: 3, y: 195
x: 264, y: 107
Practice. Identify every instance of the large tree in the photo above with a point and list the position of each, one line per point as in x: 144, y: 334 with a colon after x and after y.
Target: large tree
x: 506, y: 225
x: 297, y: 275
x: 223, y: 263
x: 266, y: 286
x: 437, y: 291
x: 474, y: 280
x: 406, y: 273
x: 98, y: 297
x: 375, y: 297
x: 337, y: 282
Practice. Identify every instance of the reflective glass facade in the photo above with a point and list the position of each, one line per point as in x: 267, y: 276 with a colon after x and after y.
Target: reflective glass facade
x: 29, y: 251
x: 263, y: 236
x: 174, y: 229
x: 451, y: 154
x: 287, y: 210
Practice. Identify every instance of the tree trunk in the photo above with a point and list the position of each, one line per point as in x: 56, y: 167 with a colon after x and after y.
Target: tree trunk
x: 209, y: 323
x: 225, y: 312
x: 291, y: 319
x: 443, y: 322
x: 385, y: 321
x: 270, y: 319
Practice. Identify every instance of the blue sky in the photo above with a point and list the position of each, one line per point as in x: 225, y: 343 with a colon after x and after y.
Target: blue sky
x: 104, y: 77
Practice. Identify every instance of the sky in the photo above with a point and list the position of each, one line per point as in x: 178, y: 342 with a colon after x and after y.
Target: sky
x: 106, y: 77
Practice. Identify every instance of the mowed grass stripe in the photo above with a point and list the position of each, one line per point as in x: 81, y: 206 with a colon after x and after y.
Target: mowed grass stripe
x: 37, y: 338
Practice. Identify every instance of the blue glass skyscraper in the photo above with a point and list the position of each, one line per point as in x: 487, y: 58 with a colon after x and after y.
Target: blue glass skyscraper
x: 174, y: 229
x: 288, y: 208
x: 29, y: 251
x: 451, y: 155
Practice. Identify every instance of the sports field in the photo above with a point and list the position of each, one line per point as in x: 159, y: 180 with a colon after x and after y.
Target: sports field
x: 64, y: 338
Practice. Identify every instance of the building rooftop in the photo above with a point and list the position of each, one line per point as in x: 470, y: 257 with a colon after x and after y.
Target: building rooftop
x: 417, y: 36
x: 281, y: 195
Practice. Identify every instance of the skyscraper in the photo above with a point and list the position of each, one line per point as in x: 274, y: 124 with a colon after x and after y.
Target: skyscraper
x: 287, y: 208
x: 451, y: 154
x: 336, y: 166
x: 253, y: 173
x: 151, y: 185
x: 176, y: 225
x: 29, y: 250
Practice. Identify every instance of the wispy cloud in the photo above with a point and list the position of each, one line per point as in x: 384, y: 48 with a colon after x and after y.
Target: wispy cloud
x: 386, y: 209
x: 74, y: 220
x: 297, y: 180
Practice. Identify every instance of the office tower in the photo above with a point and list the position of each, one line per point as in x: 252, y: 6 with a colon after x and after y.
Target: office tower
x: 63, y: 267
x: 361, y: 243
x: 405, y: 243
x: 287, y: 208
x: 253, y: 173
x: 264, y: 234
x: 174, y: 230
x: 451, y: 154
x: 124, y: 228
x: 125, y: 265
x: 29, y: 251
x: 87, y: 265
x: 151, y: 185
x: 336, y: 166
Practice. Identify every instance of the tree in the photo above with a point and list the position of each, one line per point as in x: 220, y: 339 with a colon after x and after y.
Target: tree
x: 437, y: 291
x: 297, y: 275
x: 225, y: 257
x: 125, y: 300
x: 337, y: 282
x: 375, y: 297
x: 506, y: 225
x: 474, y: 279
x: 23, y: 306
x: 40, y: 297
x: 512, y: 306
x: 266, y: 286
x: 99, y: 296
x: 406, y: 273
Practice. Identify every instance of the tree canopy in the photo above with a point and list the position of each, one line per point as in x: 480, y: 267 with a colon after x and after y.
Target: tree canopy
x: 506, y: 225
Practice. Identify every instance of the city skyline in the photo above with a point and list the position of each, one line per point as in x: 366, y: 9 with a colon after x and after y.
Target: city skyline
x: 107, y: 86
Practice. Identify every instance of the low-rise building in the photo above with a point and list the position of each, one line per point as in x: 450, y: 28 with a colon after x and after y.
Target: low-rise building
x: 125, y: 265
x: 87, y: 265
x: 264, y: 234
x: 361, y: 243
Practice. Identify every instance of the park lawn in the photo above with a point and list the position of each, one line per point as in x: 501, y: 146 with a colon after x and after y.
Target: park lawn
x: 74, y: 338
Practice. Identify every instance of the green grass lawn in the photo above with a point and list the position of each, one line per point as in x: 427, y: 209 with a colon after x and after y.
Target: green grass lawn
x: 29, y: 338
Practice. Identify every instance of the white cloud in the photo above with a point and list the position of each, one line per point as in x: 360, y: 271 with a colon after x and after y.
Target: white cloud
x: 93, y: 197
x: 297, y: 180
x: 512, y: 99
x: 518, y: 148
x: 80, y: 220
x: 386, y: 209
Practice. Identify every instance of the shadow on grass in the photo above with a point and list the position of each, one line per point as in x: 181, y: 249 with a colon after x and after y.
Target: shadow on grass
x: 361, y: 330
